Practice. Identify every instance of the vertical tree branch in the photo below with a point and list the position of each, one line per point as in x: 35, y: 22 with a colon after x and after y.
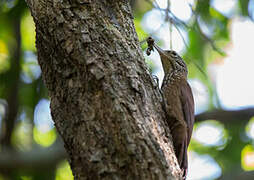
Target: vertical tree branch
x: 103, y: 99
x: 12, y: 97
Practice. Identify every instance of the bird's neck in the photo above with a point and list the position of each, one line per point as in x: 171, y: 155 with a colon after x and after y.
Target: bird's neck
x: 176, y: 74
x: 167, y: 66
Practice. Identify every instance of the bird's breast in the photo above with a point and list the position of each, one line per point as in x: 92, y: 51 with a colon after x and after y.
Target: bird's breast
x: 172, y: 79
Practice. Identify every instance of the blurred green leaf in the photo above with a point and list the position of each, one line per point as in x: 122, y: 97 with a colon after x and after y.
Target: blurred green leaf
x: 4, y: 62
x: 202, y: 9
x: 141, y: 7
x: 64, y: 172
x: 198, y: 56
x: 21, y: 138
x: 26, y: 178
x: 196, y: 48
x: 45, y: 139
x: 243, y: 5
x: 28, y: 32
x: 140, y: 31
x: 220, y: 24
x: 247, y: 158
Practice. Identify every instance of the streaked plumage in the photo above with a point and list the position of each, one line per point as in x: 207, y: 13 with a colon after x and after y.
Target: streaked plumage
x: 178, y: 103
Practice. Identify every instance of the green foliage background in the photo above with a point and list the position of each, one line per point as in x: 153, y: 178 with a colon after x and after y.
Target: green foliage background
x: 21, y: 85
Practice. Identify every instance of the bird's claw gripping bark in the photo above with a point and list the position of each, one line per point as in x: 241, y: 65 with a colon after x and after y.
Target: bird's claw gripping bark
x: 156, y: 79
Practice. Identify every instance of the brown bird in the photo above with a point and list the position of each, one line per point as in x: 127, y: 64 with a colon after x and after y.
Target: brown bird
x: 178, y: 102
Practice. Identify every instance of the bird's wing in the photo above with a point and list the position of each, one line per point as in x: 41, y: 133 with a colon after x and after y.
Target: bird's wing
x: 187, y: 102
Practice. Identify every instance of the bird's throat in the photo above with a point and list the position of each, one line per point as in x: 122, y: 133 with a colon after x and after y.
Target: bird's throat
x: 167, y: 65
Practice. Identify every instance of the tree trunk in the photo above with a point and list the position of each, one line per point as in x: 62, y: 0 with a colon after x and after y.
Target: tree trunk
x: 104, y: 103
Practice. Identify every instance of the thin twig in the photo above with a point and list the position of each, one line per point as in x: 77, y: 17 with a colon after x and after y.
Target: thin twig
x: 204, y: 36
x: 178, y: 30
x: 152, y: 33
x: 185, y: 43
x: 155, y: 5
x: 175, y: 21
x: 170, y: 23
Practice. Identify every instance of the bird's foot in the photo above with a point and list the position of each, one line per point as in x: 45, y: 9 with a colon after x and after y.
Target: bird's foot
x: 156, y: 79
x: 157, y: 86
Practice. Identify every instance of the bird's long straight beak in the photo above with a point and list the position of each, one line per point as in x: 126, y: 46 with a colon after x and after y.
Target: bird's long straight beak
x: 160, y: 51
x: 165, y: 59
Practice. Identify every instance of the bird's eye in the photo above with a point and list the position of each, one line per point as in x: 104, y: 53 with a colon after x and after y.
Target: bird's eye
x: 174, y: 53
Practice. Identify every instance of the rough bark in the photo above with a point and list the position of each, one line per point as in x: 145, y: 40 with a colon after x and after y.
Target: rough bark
x: 104, y: 102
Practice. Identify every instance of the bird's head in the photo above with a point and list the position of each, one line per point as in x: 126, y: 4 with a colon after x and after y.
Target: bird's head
x: 171, y: 60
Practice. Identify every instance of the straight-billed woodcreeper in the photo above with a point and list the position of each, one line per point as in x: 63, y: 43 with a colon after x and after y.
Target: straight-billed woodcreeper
x: 178, y: 101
